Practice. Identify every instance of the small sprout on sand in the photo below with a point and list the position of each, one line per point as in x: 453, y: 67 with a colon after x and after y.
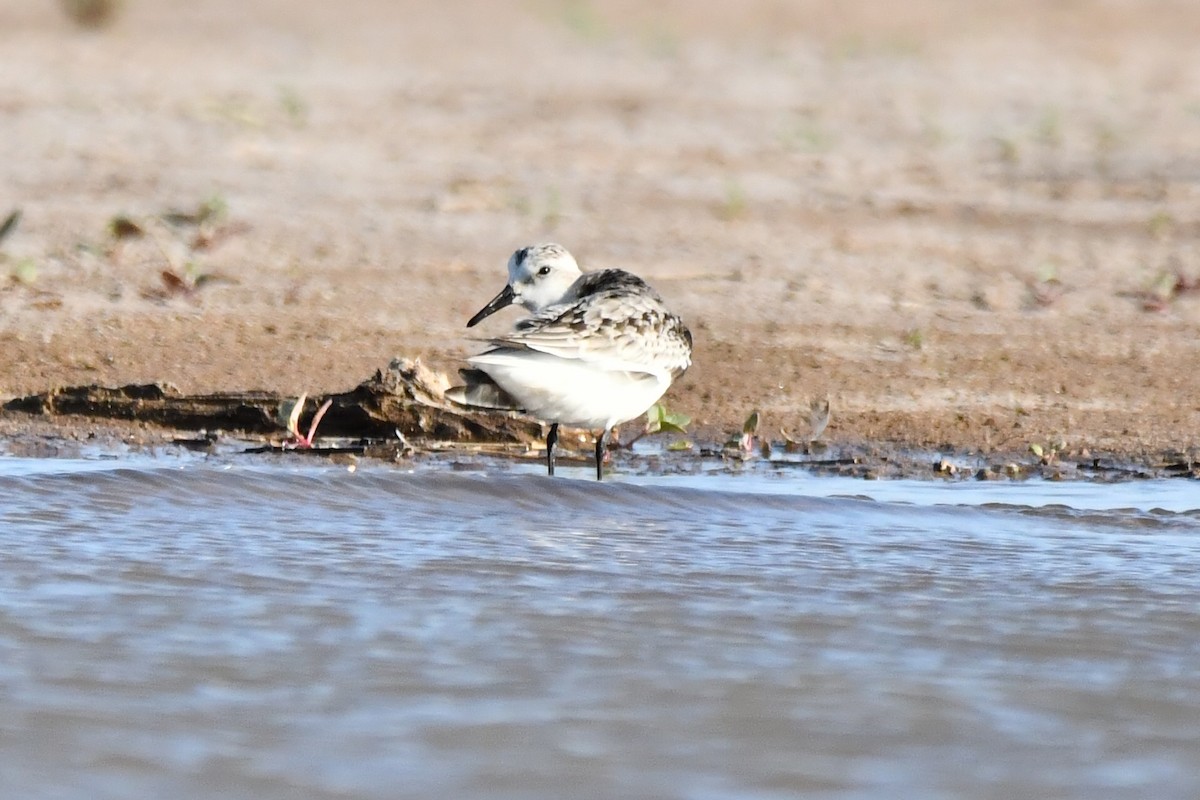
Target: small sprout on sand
x: 289, y: 415
x: 660, y: 420
x: 208, y: 219
x: 182, y: 285
x: 1048, y: 453
x: 914, y: 338
x: 25, y: 272
x: 742, y: 446
x: 1160, y: 224
x: 1049, y: 128
x: 293, y: 106
x: 803, y: 131
x: 1167, y: 287
x: 734, y: 205
x: 10, y: 224
x: 1007, y: 150
x: 1046, y: 289
x: 214, y: 209
x: 181, y: 275
x: 581, y: 17
x: 749, y: 431
x: 819, y: 414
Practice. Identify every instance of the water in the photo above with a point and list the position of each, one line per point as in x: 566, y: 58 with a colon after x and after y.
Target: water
x: 192, y: 629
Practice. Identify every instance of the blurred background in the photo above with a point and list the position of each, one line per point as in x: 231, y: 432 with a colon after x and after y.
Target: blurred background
x: 839, y: 196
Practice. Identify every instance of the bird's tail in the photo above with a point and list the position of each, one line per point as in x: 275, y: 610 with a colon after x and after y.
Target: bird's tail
x: 480, y: 391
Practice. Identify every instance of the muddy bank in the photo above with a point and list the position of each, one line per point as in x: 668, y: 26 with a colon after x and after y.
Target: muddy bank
x: 401, y: 413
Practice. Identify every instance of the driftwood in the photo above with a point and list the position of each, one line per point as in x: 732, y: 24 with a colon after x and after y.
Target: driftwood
x: 407, y: 397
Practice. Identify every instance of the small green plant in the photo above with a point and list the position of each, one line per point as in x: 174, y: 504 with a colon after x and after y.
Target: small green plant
x: 734, y: 205
x: 804, y: 132
x: 581, y: 17
x: 293, y: 106
x: 1008, y: 151
x: 744, y: 444
x: 210, y: 211
x: 25, y: 272
x: 1047, y: 288
x: 819, y: 414
x: 660, y: 420
x: 1160, y: 224
x: 214, y: 209
x: 1048, y: 131
x: 1048, y: 453
x: 289, y: 417
x: 179, y: 235
x: 10, y: 223
x: 1166, y: 288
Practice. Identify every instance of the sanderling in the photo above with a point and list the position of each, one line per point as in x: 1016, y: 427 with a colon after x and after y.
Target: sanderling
x: 600, y: 349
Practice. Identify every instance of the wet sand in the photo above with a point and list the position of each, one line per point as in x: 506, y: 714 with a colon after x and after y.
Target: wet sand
x: 971, y: 226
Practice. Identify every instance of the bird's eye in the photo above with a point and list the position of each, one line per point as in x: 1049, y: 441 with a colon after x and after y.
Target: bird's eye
x: 544, y: 271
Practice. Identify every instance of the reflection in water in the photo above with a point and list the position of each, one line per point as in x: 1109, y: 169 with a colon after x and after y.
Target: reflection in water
x: 238, y: 632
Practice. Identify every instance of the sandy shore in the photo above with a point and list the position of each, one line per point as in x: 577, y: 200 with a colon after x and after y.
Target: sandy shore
x: 973, y: 225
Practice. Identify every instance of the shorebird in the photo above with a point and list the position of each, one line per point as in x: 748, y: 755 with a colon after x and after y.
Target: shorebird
x: 600, y: 349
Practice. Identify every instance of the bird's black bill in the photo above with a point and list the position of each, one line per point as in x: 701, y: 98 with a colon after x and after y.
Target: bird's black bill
x: 505, y: 298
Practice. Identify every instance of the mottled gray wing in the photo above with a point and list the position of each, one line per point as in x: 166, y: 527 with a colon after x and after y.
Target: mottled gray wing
x: 618, y: 331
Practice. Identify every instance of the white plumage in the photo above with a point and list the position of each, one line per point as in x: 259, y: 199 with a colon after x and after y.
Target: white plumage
x: 601, y: 348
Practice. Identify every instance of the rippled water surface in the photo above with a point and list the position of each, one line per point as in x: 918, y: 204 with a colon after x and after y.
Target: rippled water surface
x: 254, y: 630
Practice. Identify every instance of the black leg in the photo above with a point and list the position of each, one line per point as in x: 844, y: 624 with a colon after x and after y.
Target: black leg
x: 551, y: 440
x: 600, y: 440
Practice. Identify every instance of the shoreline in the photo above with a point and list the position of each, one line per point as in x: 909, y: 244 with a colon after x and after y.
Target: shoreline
x: 34, y: 435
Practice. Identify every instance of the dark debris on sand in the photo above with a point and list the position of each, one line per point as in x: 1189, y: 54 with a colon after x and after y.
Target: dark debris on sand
x: 402, y: 410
